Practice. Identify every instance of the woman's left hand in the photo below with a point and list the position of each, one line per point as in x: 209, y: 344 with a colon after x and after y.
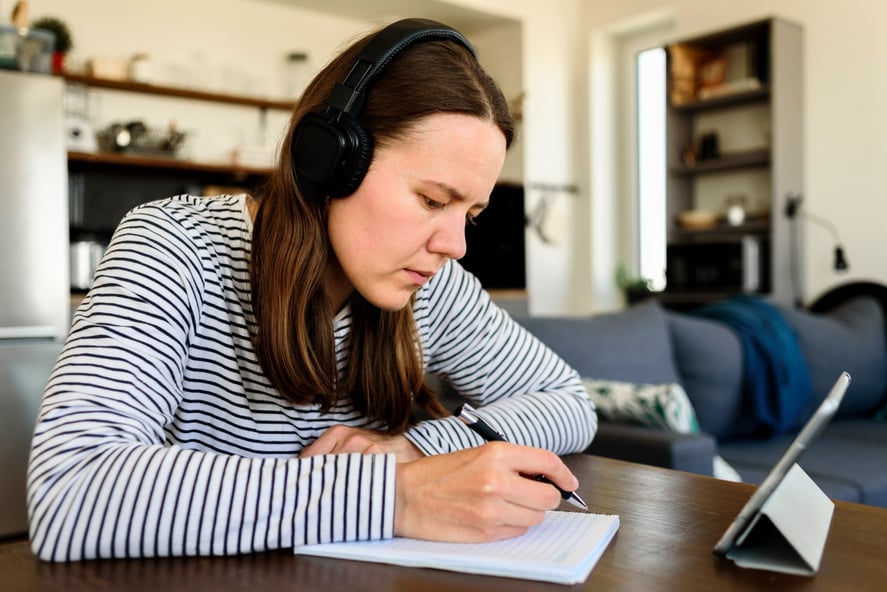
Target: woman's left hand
x: 341, y: 439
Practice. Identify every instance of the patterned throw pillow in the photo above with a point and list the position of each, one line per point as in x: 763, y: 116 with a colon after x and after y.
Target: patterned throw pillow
x: 663, y: 406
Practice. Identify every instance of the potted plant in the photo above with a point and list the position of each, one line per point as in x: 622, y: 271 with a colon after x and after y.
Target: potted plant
x: 635, y: 288
x: 63, y: 40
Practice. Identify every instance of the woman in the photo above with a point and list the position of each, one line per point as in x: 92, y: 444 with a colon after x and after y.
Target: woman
x: 228, y: 388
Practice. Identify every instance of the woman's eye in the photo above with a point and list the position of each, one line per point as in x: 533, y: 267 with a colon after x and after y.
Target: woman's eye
x: 433, y: 204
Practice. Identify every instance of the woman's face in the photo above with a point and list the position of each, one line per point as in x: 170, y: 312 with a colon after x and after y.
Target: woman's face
x: 407, y: 218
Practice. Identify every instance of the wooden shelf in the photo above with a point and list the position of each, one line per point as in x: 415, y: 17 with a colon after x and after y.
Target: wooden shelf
x: 739, y: 160
x: 181, y: 93
x: 172, y: 164
x: 758, y: 95
x: 719, y: 233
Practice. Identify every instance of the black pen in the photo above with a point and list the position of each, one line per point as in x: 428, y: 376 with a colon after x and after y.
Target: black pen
x: 469, y: 417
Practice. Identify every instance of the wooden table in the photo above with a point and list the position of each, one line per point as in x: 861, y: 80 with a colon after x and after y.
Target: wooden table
x: 669, y: 522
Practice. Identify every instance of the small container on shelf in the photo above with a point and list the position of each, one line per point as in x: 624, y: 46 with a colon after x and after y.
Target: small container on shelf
x: 137, y: 138
x: 736, y: 206
x: 698, y: 219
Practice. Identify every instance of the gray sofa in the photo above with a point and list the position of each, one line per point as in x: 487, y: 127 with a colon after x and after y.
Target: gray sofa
x: 648, y: 344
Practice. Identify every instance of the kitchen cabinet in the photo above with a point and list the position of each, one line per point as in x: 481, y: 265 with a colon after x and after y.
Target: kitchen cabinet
x: 734, y: 125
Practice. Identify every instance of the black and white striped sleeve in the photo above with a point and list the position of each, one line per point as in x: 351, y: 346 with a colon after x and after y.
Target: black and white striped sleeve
x: 526, y: 391
x: 106, y: 480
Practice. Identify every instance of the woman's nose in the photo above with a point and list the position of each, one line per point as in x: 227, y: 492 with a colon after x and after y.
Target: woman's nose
x: 449, y: 237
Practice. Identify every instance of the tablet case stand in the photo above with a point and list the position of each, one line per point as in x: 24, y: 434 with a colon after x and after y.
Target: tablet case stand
x: 788, y: 533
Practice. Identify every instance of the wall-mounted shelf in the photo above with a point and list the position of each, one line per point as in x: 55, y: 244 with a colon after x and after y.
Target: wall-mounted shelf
x: 720, y: 232
x: 104, y: 185
x: 727, y: 162
x: 758, y: 95
x: 122, y: 160
x: 182, y: 93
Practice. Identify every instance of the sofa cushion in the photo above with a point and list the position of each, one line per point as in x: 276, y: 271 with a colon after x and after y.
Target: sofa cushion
x: 631, y: 345
x: 846, y: 460
x: 663, y: 406
x: 850, y: 337
x: 708, y: 356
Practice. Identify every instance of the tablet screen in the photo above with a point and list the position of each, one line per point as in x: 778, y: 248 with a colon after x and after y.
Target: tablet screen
x: 805, y: 437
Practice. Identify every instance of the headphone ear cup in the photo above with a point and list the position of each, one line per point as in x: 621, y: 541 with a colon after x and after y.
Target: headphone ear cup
x: 317, y: 149
x: 354, y: 168
x: 330, y: 158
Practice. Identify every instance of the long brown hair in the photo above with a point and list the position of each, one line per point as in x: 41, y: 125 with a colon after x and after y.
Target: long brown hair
x: 290, y: 250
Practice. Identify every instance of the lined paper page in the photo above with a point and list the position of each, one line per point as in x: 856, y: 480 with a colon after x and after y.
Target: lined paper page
x: 563, y: 549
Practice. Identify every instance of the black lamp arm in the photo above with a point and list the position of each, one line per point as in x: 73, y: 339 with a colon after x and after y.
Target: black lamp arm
x: 793, y: 210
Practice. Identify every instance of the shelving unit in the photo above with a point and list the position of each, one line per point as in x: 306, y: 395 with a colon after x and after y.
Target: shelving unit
x: 755, y: 157
x: 104, y: 185
x: 117, y: 160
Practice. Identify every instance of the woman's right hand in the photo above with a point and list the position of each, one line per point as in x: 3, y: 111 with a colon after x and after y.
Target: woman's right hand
x: 479, y: 494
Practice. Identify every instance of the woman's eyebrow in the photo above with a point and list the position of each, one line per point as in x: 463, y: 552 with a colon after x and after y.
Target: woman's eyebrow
x: 455, y: 194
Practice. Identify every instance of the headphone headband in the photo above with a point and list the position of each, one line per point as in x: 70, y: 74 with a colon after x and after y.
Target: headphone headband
x: 332, y: 151
x: 348, y: 96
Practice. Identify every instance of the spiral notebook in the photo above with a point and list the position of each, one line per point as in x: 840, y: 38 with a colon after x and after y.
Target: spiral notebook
x: 563, y: 549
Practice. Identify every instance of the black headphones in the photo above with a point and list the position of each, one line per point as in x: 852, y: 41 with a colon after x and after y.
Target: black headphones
x: 332, y: 151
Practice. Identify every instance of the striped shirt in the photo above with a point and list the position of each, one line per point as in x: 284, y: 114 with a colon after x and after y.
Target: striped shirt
x: 160, y: 435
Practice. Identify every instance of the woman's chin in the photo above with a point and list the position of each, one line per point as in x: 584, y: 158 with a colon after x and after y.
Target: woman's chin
x: 391, y: 301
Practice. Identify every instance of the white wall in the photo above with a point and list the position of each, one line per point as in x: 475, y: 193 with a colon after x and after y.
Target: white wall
x: 845, y: 87
x: 499, y: 49
x: 233, y: 46
x: 555, y: 149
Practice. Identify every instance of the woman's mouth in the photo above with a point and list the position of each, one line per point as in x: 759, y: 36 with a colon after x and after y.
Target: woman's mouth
x: 419, y: 277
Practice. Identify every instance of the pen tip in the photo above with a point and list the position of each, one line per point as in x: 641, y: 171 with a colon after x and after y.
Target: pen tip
x: 577, y: 501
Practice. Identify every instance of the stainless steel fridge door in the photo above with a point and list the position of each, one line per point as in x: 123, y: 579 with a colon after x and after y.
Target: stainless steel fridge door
x: 24, y: 369
x: 34, y: 282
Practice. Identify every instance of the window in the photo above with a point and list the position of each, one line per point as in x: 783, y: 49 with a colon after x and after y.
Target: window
x: 651, y: 165
x: 628, y: 127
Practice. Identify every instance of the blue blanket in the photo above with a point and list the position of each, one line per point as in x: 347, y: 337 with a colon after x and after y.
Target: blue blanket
x: 776, y: 380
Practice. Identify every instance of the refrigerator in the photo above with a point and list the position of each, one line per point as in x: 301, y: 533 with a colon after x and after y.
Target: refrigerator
x: 34, y: 268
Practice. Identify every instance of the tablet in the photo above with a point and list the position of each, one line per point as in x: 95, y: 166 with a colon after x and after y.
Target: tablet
x: 805, y: 437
